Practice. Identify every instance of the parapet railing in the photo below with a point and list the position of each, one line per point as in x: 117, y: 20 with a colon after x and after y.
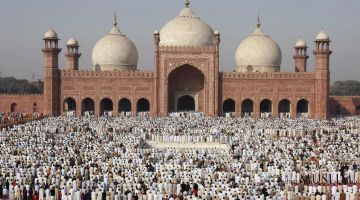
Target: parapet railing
x: 98, y: 73
x: 269, y: 75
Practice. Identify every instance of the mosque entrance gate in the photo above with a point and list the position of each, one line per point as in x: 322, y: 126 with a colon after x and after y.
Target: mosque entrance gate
x: 189, y: 65
x: 186, y: 90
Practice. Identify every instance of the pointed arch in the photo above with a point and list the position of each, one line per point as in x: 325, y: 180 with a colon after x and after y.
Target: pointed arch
x: 265, y: 108
x: 302, y: 108
x: 358, y: 110
x: 186, y: 103
x: 13, y: 107
x: 186, y: 80
x: 106, y: 107
x: 143, y: 105
x: 228, y: 106
x: 284, y: 108
x: 247, y: 108
x: 87, y: 106
x: 69, y: 104
x: 124, y: 105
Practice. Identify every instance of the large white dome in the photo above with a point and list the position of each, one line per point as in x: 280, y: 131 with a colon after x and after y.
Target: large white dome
x: 115, y: 52
x: 186, y: 30
x: 258, y: 53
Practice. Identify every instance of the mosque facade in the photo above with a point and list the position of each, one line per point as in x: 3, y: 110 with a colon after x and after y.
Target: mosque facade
x: 186, y: 77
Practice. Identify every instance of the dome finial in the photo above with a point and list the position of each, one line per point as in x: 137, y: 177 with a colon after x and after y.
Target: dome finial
x: 187, y: 3
x: 258, y: 21
x: 115, y: 20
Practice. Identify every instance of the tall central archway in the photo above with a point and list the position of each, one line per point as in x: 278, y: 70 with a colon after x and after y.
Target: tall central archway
x: 186, y: 80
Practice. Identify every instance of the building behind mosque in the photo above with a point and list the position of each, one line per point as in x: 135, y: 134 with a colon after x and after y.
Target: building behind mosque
x: 186, y: 77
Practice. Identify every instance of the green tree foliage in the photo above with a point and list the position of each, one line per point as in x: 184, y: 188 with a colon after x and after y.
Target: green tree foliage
x: 11, y: 85
x: 345, y: 88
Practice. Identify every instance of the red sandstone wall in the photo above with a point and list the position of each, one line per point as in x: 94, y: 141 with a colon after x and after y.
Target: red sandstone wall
x: 114, y: 85
x: 272, y: 86
x: 344, y: 105
x: 255, y: 89
x: 24, y: 103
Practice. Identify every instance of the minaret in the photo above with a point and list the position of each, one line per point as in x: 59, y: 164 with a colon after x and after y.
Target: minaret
x: 322, y: 51
x: 51, y: 74
x: 322, y: 54
x: 72, y: 54
x: 157, y: 70
x: 216, y: 44
x: 300, y: 56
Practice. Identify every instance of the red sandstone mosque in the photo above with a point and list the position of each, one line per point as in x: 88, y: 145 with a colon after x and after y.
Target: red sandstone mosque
x: 186, y: 77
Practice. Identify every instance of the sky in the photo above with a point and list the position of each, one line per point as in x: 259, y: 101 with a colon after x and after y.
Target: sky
x: 24, y: 22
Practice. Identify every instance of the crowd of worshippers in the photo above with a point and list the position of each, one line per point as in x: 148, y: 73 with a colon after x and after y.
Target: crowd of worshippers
x: 7, y: 118
x: 106, y: 158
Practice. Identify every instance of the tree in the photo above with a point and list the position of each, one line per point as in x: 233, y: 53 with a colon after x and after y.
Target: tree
x: 345, y: 88
x: 11, y: 85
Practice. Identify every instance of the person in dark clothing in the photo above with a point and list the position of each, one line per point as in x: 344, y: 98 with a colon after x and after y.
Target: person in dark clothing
x: 183, y: 188
x: 52, y: 191
x: 30, y: 193
x: 7, y: 184
x: 24, y: 192
x: 104, y: 195
x: 264, y: 192
x: 88, y: 195
x: 187, y: 187
x: 1, y: 190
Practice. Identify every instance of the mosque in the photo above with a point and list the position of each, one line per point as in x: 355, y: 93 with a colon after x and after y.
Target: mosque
x: 186, y: 77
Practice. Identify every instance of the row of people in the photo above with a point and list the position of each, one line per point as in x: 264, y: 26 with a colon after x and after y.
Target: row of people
x: 105, y: 158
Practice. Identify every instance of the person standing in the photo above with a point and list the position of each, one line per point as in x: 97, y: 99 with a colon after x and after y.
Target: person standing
x: 36, y: 196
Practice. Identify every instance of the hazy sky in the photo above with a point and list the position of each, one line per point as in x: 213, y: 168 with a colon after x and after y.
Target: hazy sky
x: 24, y: 22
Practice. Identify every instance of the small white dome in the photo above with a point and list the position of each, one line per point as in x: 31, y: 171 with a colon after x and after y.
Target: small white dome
x: 186, y: 30
x: 72, y: 42
x: 51, y: 34
x: 115, y: 52
x: 258, y: 53
x: 300, y: 43
x: 322, y: 36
